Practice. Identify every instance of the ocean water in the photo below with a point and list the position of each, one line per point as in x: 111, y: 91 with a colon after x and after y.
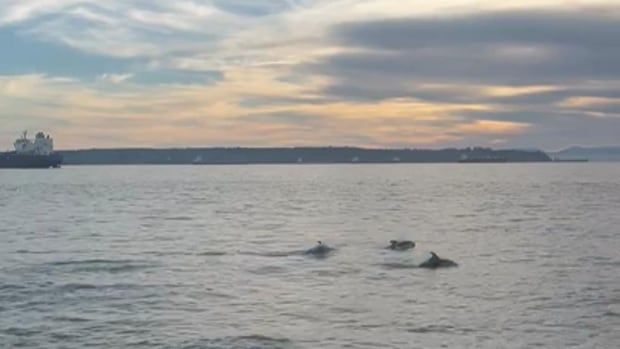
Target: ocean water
x: 207, y: 257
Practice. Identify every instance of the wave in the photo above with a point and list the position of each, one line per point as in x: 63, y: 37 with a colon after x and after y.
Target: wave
x: 56, y: 336
x: 169, y: 253
x: 267, y: 254
x: 73, y: 287
x: 432, y: 329
x: 103, y: 265
x: 272, y: 254
x: 11, y: 287
x: 212, y: 253
x: 444, y: 329
x: 178, y: 218
x: 92, y: 261
x: 77, y: 287
x: 34, y: 252
x: 69, y: 319
x: 399, y: 265
x: 20, y: 332
x: 241, y: 342
x: 269, y: 269
x: 275, y: 253
x: 166, y: 218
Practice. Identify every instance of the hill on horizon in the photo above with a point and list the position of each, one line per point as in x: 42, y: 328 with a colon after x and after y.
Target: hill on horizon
x: 290, y: 155
x: 594, y: 153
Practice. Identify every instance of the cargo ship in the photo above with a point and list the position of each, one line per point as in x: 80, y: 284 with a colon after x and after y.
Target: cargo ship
x: 28, y: 153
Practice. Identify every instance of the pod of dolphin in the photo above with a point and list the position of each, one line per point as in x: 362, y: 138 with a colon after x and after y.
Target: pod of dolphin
x: 434, y: 262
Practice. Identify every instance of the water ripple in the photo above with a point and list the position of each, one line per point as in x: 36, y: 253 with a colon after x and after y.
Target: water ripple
x: 212, y: 257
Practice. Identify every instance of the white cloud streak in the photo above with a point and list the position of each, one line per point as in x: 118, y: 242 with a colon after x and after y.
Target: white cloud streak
x: 114, y: 78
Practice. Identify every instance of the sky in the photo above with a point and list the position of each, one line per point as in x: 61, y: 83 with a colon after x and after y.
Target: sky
x: 373, y: 73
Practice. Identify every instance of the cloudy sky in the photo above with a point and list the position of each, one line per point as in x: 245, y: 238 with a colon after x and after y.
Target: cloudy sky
x: 374, y: 73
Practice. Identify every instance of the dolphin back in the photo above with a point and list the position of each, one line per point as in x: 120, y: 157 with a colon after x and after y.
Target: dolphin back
x: 319, y: 250
x: 435, y: 262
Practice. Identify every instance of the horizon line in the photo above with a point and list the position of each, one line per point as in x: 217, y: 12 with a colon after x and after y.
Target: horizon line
x: 302, y: 147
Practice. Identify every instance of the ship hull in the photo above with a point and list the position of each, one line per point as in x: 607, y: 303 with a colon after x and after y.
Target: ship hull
x: 14, y: 160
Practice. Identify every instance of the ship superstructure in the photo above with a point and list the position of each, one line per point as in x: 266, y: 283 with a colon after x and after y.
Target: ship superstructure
x: 42, y: 145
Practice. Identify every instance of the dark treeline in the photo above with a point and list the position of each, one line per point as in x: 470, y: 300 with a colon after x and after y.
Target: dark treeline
x: 290, y: 155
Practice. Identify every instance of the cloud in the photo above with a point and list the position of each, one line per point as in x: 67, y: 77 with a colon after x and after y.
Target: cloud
x: 115, y: 78
x: 25, y: 54
x: 395, y: 58
x: 498, y: 48
x: 178, y: 77
x: 533, y: 69
x: 256, y: 8
x: 526, y: 30
x: 14, y: 11
x: 121, y: 28
x: 214, y: 115
x: 294, y: 72
x: 493, y: 127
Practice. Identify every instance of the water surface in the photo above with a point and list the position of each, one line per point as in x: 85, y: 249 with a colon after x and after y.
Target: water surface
x: 206, y: 257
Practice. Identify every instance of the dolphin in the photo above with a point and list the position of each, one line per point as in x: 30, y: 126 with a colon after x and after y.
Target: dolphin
x: 435, y: 262
x: 319, y: 250
x: 402, y: 245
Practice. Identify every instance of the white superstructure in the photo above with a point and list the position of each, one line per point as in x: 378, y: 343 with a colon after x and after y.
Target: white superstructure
x: 42, y: 145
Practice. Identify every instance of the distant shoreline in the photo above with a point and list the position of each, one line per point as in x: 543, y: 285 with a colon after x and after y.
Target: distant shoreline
x: 299, y: 155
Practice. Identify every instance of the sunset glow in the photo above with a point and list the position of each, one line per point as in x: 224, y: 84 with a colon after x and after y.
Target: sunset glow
x: 373, y: 73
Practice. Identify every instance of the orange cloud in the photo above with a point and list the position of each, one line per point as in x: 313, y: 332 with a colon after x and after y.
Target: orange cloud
x: 215, y: 115
x: 493, y: 127
x: 584, y: 102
